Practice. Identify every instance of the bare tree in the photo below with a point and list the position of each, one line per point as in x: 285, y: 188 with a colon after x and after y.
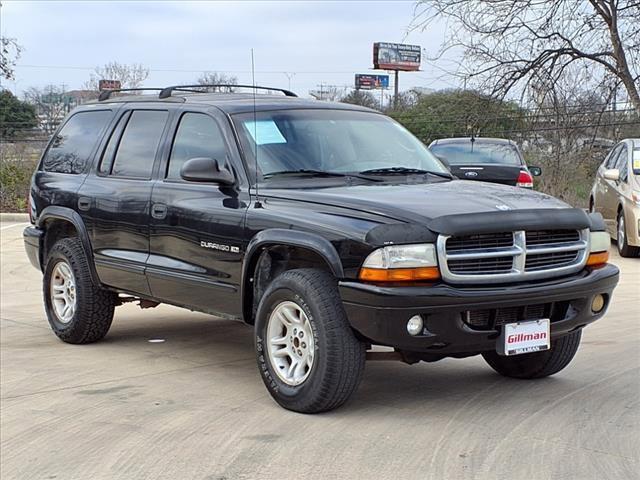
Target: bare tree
x: 51, y: 103
x: 217, y: 78
x: 507, y: 44
x: 9, y: 54
x: 129, y: 76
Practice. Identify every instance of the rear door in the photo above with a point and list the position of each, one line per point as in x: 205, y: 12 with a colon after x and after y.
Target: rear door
x: 197, y: 229
x: 116, y: 198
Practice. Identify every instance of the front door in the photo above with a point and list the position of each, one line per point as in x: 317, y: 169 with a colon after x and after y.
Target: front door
x: 116, y: 199
x: 197, y: 229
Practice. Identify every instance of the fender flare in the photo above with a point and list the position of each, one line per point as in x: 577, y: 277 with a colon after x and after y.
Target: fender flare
x: 71, y: 216
x: 293, y: 238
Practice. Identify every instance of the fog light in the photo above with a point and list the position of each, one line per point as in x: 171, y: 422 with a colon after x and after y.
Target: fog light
x: 415, y: 325
x: 597, y: 304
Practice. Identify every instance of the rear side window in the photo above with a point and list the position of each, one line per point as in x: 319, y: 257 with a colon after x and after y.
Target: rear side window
x: 198, y: 135
x: 139, y: 143
x: 70, y: 149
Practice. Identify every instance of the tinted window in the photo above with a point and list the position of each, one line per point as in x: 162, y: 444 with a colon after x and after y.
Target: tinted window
x: 110, y: 150
x: 139, y: 143
x: 470, y: 153
x: 622, y: 164
x: 70, y: 149
x: 198, y: 135
x: 612, y: 158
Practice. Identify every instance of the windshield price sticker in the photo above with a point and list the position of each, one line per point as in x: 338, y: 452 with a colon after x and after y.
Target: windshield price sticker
x: 524, y: 337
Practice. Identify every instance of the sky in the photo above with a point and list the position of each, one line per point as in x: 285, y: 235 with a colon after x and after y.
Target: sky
x: 297, y: 44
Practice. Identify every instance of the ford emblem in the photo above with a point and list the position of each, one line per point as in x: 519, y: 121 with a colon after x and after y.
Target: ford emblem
x: 471, y: 174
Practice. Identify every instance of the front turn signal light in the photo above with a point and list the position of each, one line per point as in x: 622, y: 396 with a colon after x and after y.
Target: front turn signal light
x: 399, y: 274
x: 599, y: 258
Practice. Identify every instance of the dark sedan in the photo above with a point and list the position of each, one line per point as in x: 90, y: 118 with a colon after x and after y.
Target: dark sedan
x: 487, y: 159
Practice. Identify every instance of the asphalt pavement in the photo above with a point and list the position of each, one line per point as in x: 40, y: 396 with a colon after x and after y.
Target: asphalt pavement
x: 172, y: 394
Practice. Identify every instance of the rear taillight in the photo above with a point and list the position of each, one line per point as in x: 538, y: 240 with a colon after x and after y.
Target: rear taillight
x: 524, y: 179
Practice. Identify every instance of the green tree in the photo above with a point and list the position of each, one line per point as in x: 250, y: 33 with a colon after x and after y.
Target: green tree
x: 15, y: 116
x: 362, y: 98
x: 460, y: 113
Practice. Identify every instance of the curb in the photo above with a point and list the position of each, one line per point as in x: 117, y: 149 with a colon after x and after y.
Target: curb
x: 14, y: 217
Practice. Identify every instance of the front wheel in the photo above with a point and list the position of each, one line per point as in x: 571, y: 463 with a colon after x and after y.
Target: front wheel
x: 538, y: 364
x: 309, y: 358
x: 624, y: 249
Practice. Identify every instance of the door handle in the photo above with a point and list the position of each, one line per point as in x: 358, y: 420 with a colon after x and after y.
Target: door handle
x: 159, y: 211
x: 84, y: 203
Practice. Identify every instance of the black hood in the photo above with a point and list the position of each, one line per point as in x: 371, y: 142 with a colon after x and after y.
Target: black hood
x: 420, y: 203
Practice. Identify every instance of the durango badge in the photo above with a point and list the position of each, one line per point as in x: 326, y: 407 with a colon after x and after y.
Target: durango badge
x: 219, y: 246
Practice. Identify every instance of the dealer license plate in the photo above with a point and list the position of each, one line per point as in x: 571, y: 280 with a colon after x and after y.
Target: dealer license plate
x: 524, y: 337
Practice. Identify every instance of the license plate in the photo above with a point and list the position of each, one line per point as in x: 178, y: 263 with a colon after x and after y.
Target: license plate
x: 524, y: 337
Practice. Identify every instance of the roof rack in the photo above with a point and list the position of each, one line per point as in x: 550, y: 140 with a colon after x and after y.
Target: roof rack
x: 106, y: 94
x: 166, y: 92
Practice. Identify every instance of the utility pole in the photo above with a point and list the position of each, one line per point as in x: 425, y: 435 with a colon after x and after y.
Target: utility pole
x: 395, y: 89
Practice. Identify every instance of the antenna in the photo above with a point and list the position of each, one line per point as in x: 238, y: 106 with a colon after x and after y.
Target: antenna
x: 255, y: 129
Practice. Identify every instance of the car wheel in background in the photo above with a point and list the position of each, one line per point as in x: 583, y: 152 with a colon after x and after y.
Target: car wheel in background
x: 624, y: 249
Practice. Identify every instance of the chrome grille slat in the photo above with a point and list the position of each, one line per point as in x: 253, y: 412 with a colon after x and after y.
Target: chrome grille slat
x: 512, y: 256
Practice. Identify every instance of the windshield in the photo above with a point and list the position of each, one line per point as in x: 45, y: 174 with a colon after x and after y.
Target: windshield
x: 336, y: 141
x: 472, y: 153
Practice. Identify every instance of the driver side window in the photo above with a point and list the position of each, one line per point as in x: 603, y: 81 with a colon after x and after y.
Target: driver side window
x: 198, y: 135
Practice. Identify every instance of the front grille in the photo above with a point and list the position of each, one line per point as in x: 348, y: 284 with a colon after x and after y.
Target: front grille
x: 546, y: 237
x: 540, y: 261
x: 493, y: 318
x: 512, y: 256
x: 491, y: 240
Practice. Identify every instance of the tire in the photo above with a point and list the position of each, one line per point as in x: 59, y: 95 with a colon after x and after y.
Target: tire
x: 538, y: 364
x: 624, y: 249
x: 336, y: 356
x: 91, y: 308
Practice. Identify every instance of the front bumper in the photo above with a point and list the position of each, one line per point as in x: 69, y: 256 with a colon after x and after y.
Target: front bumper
x: 380, y: 314
x: 32, y: 244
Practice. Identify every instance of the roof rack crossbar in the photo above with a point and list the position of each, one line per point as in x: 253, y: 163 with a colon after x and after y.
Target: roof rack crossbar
x: 106, y: 94
x: 166, y: 92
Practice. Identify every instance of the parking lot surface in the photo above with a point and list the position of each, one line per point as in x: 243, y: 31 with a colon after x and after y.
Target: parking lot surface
x: 171, y: 394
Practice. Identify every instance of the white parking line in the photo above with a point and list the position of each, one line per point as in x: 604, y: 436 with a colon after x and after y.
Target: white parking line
x: 6, y: 227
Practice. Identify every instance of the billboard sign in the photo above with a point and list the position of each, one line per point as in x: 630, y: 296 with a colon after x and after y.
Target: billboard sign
x: 108, y: 85
x: 396, y: 56
x: 365, y: 81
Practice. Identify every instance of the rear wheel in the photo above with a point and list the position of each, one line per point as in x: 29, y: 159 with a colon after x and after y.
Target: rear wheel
x: 78, y: 311
x: 538, y: 364
x: 309, y: 357
x: 624, y: 249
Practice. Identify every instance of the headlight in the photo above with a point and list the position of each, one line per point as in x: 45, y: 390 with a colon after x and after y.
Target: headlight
x: 401, y: 263
x: 599, y: 241
x: 599, y: 248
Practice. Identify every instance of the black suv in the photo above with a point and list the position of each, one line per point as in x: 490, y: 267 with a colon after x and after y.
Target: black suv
x: 327, y: 227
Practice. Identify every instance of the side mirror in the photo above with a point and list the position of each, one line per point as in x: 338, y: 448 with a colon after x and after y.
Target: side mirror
x: 612, y: 174
x: 205, y: 170
x: 535, y: 171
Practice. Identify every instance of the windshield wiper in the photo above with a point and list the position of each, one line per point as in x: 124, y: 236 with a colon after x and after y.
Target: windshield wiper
x: 404, y: 171
x: 317, y: 173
